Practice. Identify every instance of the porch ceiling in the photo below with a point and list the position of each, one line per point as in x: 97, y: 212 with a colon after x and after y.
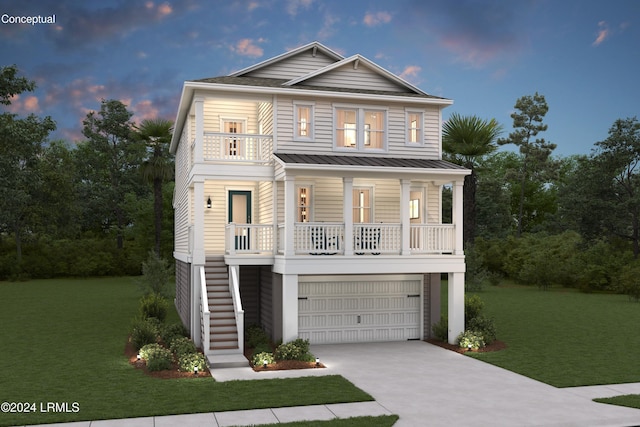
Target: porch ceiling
x: 380, y: 165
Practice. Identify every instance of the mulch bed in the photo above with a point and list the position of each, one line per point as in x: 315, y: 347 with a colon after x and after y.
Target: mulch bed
x: 497, y: 345
x: 281, y: 365
x: 131, y: 354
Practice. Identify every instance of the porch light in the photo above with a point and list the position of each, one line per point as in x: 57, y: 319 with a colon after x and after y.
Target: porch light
x: 209, y: 203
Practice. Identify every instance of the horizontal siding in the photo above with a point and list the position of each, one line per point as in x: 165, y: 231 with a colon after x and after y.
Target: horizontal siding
x: 181, y: 203
x: 363, y: 77
x: 434, y: 211
x: 216, y: 110
x: 296, y: 66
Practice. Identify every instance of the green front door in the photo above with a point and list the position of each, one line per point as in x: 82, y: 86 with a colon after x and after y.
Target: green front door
x: 240, y: 214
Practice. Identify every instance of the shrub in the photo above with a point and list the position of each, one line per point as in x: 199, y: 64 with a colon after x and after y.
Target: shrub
x: 473, y: 307
x: 262, y: 348
x: 156, y: 276
x: 294, y: 350
x: 441, y: 329
x: 154, y: 305
x: 485, y: 327
x: 182, y: 346
x: 144, y: 331
x: 471, y: 340
x: 158, y: 358
x: 188, y: 362
x: 628, y: 282
x: 172, y: 331
x: 258, y: 359
x: 148, y: 349
x: 254, y: 335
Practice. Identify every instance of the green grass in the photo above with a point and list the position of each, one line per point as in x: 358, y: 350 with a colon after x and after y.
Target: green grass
x: 562, y: 337
x: 629, y: 400
x: 381, y: 421
x: 63, y: 341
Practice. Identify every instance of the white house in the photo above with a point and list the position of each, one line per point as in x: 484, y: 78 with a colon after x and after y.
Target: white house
x: 308, y: 200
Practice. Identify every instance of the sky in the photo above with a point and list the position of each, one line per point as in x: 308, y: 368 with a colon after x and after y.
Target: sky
x: 582, y: 55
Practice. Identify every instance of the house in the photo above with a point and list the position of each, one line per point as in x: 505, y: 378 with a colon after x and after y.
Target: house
x: 308, y: 194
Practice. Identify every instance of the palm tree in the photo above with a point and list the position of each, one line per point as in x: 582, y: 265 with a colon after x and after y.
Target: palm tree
x: 158, y: 167
x: 466, y: 140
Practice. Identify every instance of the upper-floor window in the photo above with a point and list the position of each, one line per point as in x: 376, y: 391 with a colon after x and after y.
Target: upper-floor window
x: 414, y: 126
x: 303, y: 121
x: 358, y: 128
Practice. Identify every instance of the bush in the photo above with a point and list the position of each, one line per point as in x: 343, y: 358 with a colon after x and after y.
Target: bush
x: 262, y: 348
x: 258, y: 359
x: 154, y: 305
x: 295, y: 350
x: 628, y: 282
x: 156, y: 276
x: 188, y: 362
x: 157, y: 357
x: 254, y: 335
x: 144, y: 331
x: 473, y: 307
x: 182, y: 346
x: 441, y: 329
x: 170, y: 332
x: 485, y: 327
x: 471, y: 340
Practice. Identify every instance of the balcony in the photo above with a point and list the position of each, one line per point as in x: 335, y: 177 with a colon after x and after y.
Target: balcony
x: 235, y: 147
x: 325, y: 238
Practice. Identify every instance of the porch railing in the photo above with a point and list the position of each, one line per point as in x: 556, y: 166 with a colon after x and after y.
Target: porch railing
x: 236, y: 147
x: 248, y: 238
x: 205, y: 313
x: 426, y: 238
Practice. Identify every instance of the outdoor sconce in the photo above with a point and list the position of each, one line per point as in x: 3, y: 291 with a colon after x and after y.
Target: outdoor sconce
x: 209, y: 203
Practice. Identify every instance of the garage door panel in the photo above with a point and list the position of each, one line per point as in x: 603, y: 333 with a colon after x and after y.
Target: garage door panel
x: 359, y: 311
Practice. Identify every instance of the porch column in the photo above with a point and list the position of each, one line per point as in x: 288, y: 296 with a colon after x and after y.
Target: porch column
x: 198, y: 155
x: 456, y: 305
x: 457, y: 217
x: 347, y: 214
x: 289, y: 307
x: 289, y: 215
x: 405, y: 187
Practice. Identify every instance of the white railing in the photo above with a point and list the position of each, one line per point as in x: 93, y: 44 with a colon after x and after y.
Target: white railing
x: 376, y: 239
x: 234, y: 288
x: 205, y: 313
x: 236, y: 147
x: 325, y: 238
x: 426, y: 238
x: 248, y: 238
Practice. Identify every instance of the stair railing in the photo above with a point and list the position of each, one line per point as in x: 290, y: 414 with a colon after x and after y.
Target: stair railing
x: 205, y: 313
x: 234, y: 289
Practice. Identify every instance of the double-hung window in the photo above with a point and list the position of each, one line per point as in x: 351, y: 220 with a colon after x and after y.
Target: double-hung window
x: 414, y: 126
x: 362, y: 205
x: 303, y: 121
x: 303, y: 201
x: 358, y: 128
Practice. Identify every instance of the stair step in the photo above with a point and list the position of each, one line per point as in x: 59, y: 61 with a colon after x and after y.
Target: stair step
x: 219, y: 361
x: 223, y: 329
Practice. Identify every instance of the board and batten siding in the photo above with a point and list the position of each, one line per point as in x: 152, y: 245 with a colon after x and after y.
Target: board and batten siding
x: 324, y: 134
x: 293, y: 67
x: 183, y: 292
x: 266, y: 298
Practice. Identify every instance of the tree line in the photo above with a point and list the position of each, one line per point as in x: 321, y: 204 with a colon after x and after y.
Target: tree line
x: 93, y: 209
x: 542, y: 219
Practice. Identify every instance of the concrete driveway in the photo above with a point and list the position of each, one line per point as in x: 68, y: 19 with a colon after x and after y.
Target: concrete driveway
x: 429, y: 386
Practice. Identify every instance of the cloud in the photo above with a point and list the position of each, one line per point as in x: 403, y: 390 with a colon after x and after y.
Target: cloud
x: 248, y: 47
x: 410, y: 71
x: 294, y: 5
x: 603, y: 33
x: 24, y: 104
x: 373, y: 19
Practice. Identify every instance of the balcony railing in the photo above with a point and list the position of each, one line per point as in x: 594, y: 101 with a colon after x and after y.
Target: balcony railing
x: 327, y: 238
x: 236, y: 147
x: 248, y: 239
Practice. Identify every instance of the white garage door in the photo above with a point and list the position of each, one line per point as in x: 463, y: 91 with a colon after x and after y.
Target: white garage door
x: 346, y: 311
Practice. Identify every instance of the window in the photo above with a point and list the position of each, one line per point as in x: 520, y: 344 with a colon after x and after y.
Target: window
x: 360, y: 129
x: 303, y: 121
x: 232, y: 144
x: 303, y: 201
x: 415, y: 120
x: 361, y: 205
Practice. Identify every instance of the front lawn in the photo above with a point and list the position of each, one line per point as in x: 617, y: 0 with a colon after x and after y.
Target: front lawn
x: 563, y: 337
x: 62, y: 341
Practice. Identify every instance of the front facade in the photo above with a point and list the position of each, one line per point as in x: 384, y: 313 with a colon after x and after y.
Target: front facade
x: 308, y: 201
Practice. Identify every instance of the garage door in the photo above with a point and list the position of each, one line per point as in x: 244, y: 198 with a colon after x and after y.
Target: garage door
x: 346, y: 311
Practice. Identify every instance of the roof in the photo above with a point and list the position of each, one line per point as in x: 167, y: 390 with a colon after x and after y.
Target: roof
x: 382, y: 162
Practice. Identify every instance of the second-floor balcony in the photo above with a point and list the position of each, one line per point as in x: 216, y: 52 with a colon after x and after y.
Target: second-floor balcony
x: 235, y: 147
x: 321, y: 238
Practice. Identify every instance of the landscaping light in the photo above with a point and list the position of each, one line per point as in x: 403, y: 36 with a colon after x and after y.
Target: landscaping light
x: 264, y: 363
x: 195, y: 370
x: 317, y: 362
x: 209, y: 203
x: 138, y: 357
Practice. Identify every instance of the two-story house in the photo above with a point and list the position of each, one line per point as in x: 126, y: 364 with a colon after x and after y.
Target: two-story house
x: 308, y: 200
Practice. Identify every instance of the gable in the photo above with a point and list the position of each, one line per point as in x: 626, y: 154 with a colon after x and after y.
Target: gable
x: 354, y: 76
x: 291, y: 68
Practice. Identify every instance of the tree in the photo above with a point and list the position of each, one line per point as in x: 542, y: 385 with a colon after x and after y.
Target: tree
x: 21, y: 142
x: 467, y: 140
x: 158, y: 167
x: 527, y: 123
x: 602, y: 197
x: 108, y: 163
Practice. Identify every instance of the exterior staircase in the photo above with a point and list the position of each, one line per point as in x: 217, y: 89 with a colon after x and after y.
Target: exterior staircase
x: 224, y: 349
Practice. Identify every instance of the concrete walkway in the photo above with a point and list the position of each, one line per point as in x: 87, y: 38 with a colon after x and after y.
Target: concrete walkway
x: 426, y: 386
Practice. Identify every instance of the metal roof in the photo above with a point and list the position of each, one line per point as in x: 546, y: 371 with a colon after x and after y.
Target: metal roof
x: 384, y: 162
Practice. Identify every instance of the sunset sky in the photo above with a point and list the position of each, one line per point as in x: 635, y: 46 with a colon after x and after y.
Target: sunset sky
x: 582, y: 55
